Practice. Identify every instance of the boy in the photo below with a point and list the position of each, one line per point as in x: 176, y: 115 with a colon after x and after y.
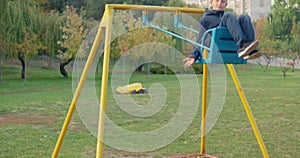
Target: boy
x: 240, y: 29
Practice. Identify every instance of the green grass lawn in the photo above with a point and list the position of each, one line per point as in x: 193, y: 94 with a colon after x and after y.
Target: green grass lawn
x: 31, y: 116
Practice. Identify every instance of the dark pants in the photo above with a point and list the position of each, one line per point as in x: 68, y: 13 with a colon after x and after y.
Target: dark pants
x: 241, y: 29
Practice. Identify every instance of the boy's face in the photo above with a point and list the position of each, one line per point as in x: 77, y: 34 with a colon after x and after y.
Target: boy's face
x: 218, y: 4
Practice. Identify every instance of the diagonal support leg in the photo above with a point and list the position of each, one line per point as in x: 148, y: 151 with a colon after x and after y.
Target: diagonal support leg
x: 248, y: 111
x: 78, y: 91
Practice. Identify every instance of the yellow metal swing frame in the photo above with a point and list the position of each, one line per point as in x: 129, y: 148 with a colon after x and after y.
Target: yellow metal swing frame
x: 106, y: 25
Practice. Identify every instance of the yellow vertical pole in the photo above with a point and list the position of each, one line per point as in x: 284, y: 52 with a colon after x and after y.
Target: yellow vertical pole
x: 108, y: 17
x: 78, y: 91
x: 248, y: 111
x: 204, y: 96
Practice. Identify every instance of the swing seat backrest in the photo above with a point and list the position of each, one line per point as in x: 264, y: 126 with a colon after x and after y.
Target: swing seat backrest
x: 222, y: 49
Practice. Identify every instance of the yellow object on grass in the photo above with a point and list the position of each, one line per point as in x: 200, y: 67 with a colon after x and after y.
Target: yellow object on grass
x: 131, y: 88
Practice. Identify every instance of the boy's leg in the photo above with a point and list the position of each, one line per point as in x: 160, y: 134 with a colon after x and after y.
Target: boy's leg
x: 247, y: 27
x: 230, y: 21
x: 248, y: 30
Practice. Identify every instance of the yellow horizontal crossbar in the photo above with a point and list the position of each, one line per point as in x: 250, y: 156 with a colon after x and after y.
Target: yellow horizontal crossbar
x: 155, y: 8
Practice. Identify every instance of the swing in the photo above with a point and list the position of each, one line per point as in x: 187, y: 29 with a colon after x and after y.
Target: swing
x: 222, y: 50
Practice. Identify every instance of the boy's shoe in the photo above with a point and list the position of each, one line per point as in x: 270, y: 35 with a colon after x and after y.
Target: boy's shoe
x: 247, y: 48
x: 253, y: 54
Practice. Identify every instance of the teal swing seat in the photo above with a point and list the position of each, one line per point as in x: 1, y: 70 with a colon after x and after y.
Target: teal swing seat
x: 222, y: 49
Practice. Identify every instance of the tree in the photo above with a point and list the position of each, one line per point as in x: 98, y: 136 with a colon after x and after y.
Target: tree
x: 23, y: 23
x: 27, y: 48
x: 96, y: 11
x: 28, y: 29
x: 282, y: 16
x: 267, y: 44
x: 276, y: 34
x: 2, y: 47
x: 73, y: 34
x: 3, y: 34
x: 49, y: 33
x: 295, y: 42
x: 176, y: 3
x: 140, y: 35
x: 61, y: 5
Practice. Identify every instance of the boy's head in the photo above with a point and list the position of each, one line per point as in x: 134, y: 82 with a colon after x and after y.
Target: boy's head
x: 218, y: 4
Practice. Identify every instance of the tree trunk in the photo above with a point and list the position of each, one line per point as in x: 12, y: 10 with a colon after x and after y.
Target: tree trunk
x: 284, y: 73
x: 293, y: 66
x: 62, y: 67
x: 148, y: 69
x: 49, y: 63
x: 139, y: 68
x: 21, y: 58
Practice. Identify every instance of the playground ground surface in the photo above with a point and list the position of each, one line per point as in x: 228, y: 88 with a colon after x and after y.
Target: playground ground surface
x: 31, y: 116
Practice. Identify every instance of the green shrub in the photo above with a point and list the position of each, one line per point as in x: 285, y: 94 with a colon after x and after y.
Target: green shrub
x: 160, y: 69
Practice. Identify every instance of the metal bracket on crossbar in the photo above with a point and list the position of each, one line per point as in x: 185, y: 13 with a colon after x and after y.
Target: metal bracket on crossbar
x: 178, y: 24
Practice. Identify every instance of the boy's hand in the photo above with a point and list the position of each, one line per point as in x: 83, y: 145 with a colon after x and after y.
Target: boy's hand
x: 188, y: 62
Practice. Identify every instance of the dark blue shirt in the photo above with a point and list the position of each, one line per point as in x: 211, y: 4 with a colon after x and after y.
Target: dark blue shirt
x: 210, y: 19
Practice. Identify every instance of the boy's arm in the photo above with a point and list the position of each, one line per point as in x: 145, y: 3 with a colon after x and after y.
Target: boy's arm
x: 196, y: 52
